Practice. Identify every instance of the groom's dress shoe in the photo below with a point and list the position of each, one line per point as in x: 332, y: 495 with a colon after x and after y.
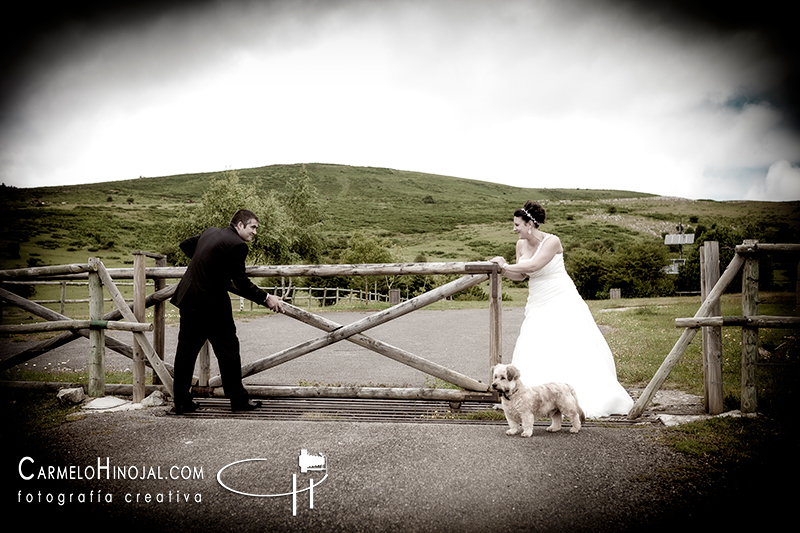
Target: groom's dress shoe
x: 249, y: 405
x: 181, y: 409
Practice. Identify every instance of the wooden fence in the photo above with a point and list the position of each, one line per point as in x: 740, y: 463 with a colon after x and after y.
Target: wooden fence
x: 144, y: 354
x: 707, y: 318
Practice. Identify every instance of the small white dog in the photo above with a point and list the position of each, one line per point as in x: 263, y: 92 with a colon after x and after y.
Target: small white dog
x: 523, y: 404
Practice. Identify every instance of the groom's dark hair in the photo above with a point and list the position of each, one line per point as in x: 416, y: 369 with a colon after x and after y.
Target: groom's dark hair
x: 244, y: 216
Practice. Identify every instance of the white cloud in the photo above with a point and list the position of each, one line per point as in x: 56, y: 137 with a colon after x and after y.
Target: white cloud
x: 781, y: 183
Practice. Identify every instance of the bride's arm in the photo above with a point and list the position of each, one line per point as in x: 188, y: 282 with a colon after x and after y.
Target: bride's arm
x: 519, y: 271
x: 504, y: 269
x: 501, y: 261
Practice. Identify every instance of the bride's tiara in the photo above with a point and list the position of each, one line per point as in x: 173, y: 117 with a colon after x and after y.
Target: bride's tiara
x: 529, y: 215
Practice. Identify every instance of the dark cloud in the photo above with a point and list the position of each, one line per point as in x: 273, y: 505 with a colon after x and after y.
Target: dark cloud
x: 773, y: 21
x: 33, y: 24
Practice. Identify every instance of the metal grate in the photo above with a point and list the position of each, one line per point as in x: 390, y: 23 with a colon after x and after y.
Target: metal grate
x: 362, y: 410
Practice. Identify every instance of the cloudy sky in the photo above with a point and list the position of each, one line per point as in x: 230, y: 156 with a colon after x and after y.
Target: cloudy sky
x: 533, y: 93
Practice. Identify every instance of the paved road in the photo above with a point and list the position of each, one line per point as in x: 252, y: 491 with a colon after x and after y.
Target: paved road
x: 457, y: 339
x: 380, y: 477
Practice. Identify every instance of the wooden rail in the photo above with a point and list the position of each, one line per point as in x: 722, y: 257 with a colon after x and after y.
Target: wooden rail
x: 35, y: 272
x: 760, y: 321
x: 291, y: 294
x: 61, y: 325
x: 270, y: 271
x: 52, y: 343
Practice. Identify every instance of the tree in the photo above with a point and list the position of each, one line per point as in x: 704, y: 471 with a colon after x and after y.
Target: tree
x: 636, y: 269
x: 689, y: 274
x: 223, y: 197
x: 289, y: 222
x: 305, y: 215
x: 365, y: 248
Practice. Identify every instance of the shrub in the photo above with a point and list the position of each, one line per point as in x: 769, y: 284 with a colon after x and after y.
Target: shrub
x: 472, y: 294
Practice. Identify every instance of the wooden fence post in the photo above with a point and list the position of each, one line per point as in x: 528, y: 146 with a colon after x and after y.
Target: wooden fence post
x: 139, y: 295
x: 159, y: 319
x: 683, y: 342
x: 495, y: 320
x: 155, y: 362
x: 797, y: 293
x: 704, y: 288
x: 749, y: 334
x: 712, y: 335
x: 97, y: 346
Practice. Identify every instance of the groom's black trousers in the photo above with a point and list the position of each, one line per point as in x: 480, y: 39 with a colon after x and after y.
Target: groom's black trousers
x: 197, y: 326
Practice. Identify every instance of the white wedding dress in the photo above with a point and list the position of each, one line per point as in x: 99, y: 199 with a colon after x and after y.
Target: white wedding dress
x: 560, y: 341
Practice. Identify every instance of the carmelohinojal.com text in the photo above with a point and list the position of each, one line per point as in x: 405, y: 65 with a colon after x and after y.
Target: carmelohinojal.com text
x: 30, y: 471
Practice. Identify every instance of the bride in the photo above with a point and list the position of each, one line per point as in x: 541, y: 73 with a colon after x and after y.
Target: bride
x: 559, y: 340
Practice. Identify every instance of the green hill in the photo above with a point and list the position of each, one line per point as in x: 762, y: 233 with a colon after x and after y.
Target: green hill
x: 438, y: 217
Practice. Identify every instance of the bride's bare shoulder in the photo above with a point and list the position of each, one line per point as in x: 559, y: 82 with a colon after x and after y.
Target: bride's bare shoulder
x: 554, y: 242
x: 523, y: 248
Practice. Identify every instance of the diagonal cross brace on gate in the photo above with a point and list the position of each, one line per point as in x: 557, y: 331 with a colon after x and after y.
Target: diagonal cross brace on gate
x: 152, y: 357
x: 352, y: 332
x: 66, y: 337
x: 686, y: 337
x: 392, y: 352
x: 43, y: 346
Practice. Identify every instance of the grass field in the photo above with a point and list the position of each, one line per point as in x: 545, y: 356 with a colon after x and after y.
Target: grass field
x: 439, y: 217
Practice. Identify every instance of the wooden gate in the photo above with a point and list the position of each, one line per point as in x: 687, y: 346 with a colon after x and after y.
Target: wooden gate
x: 143, y: 352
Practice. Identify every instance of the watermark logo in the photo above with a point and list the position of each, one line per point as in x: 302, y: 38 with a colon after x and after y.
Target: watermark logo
x: 307, y: 463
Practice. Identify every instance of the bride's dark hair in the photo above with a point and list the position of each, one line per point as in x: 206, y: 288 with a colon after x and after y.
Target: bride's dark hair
x: 532, y: 211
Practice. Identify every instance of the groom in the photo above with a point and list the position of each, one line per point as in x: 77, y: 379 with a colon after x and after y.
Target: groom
x: 216, y: 261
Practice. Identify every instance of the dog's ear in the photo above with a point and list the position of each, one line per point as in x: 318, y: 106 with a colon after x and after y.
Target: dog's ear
x: 512, y: 372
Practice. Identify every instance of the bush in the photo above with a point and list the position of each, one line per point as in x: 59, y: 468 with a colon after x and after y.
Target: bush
x: 472, y: 294
x: 586, y: 268
x: 637, y: 270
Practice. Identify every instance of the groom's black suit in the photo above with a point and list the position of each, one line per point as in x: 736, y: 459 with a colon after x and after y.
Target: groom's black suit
x: 217, y: 261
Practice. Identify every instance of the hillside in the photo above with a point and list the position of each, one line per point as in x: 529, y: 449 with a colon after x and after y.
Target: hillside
x: 439, y: 217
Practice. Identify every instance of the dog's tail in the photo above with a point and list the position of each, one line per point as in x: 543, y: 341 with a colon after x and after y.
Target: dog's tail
x: 581, y: 415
